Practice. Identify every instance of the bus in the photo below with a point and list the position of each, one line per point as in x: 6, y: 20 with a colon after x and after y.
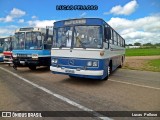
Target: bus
x: 32, y: 47
x: 86, y: 48
x: 1, y: 49
x: 7, y: 49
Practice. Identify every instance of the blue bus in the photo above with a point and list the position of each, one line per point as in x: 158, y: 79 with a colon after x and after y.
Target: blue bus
x: 87, y: 48
x: 32, y: 47
x: 1, y: 49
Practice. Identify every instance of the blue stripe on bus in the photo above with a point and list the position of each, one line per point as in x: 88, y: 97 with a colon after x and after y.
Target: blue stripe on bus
x: 81, y: 63
x: 29, y: 52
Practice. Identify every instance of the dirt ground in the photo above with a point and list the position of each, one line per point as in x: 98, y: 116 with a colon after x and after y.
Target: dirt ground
x: 139, y: 62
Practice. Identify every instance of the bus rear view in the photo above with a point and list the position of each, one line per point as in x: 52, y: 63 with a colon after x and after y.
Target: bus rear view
x: 81, y: 48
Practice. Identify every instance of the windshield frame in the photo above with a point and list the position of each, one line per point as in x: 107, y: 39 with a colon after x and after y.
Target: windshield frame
x: 55, y: 37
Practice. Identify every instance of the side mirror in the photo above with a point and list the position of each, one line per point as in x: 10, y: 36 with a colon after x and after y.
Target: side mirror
x: 46, y: 36
x: 107, y: 33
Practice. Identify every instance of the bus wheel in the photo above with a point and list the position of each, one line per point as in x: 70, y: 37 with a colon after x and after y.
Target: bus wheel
x: 109, y: 69
x: 121, y: 64
x: 32, y: 67
x: 72, y: 76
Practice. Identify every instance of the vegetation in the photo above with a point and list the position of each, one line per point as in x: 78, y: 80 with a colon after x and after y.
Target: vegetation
x: 142, y: 51
x: 154, y: 65
x: 145, y: 44
x: 147, y: 63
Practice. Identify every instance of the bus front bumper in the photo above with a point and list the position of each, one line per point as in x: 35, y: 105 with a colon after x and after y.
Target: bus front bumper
x: 77, y: 72
x: 7, y: 60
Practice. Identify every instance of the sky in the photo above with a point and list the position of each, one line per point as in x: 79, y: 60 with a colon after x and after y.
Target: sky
x: 134, y: 20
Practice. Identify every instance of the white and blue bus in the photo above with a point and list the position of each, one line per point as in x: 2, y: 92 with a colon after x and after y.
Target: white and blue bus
x: 32, y: 47
x: 87, y: 48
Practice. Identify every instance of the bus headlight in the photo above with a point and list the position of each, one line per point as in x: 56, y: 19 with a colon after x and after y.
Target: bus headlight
x: 89, y: 63
x: 14, y: 55
x: 95, y: 63
x: 54, y: 61
x: 34, y: 55
x: 92, y: 63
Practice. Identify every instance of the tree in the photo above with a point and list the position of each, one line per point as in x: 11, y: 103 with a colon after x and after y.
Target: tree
x: 147, y: 44
x: 130, y: 45
x: 137, y: 44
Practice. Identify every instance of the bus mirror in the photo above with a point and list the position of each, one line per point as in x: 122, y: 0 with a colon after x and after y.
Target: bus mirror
x: 46, y: 36
x: 108, y: 33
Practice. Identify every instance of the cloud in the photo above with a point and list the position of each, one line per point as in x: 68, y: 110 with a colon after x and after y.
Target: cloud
x: 143, y: 30
x: 14, y: 13
x: 21, y: 21
x: 34, y: 17
x: 7, y: 30
x: 41, y: 23
x: 127, y: 9
x: 83, y: 14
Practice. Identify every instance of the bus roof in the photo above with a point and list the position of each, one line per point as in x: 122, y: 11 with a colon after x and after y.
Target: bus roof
x: 25, y: 29
x: 79, y: 21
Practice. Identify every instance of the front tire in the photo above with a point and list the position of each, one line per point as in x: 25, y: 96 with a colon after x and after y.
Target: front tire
x: 121, y: 64
x: 32, y: 67
x: 109, y: 70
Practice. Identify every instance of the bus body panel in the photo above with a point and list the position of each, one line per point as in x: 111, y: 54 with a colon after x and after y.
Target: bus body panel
x: 7, y: 56
x: 1, y: 57
x: 80, y: 58
x: 25, y: 57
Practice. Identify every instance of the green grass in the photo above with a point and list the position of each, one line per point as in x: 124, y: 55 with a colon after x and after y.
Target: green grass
x: 154, y: 65
x: 142, y: 51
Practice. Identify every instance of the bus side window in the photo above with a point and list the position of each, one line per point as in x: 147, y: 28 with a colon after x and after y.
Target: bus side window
x: 107, y: 34
x: 112, y: 36
x: 115, y: 38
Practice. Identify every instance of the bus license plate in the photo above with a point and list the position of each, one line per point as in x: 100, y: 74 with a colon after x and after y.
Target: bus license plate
x: 69, y: 71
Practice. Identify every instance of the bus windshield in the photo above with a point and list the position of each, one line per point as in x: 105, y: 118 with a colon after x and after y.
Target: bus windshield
x: 78, y: 37
x: 7, y: 46
x: 19, y: 40
x: 33, y: 40
x: 1, y: 46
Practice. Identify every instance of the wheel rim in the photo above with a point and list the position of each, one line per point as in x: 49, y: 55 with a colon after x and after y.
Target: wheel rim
x: 109, y: 70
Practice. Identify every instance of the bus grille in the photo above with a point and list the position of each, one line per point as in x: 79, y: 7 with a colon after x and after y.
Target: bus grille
x: 21, y: 55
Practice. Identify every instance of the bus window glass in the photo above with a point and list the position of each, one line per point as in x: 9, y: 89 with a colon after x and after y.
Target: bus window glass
x: 115, y: 37
x: 87, y: 37
x: 19, y: 40
x: 63, y: 37
x: 33, y: 40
